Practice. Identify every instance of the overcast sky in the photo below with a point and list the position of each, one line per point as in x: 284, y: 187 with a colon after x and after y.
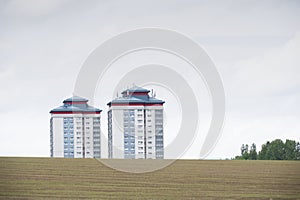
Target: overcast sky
x: 255, y: 46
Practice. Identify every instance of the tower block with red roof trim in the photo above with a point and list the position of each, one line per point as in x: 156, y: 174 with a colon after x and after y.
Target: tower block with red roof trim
x: 75, y: 130
x: 135, y: 126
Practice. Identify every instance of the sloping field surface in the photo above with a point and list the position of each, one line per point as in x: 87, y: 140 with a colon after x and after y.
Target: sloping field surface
x: 39, y: 178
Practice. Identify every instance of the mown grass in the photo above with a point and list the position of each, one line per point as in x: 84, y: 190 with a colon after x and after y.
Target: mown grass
x: 39, y: 178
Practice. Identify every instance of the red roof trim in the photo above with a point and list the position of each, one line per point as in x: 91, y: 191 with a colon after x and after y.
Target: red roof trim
x: 154, y: 104
x: 135, y: 94
x: 138, y: 93
x: 135, y: 104
x: 75, y: 102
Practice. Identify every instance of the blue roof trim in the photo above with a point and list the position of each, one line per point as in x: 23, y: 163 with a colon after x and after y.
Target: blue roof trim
x: 75, y: 109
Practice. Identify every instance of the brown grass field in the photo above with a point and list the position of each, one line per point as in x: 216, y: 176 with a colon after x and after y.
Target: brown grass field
x: 56, y: 178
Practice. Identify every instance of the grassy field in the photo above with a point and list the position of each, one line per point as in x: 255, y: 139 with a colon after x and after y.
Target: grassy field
x: 37, y: 178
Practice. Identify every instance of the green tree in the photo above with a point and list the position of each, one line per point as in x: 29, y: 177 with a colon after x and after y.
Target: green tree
x: 290, y: 150
x: 253, y: 152
x: 275, y: 150
x: 278, y: 150
x: 244, y: 153
x: 262, y: 155
x: 298, y: 151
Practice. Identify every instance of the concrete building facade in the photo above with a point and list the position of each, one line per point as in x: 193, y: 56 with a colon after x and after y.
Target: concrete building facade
x: 75, y: 130
x: 135, y: 126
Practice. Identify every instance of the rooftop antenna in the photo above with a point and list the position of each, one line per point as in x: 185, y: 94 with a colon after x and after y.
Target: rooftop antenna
x: 154, y: 95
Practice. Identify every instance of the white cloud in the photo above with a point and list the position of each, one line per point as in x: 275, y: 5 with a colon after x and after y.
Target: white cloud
x: 275, y: 72
x: 32, y: 8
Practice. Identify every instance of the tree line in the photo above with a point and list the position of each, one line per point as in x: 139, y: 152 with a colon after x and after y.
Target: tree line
x: 275, y: 150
